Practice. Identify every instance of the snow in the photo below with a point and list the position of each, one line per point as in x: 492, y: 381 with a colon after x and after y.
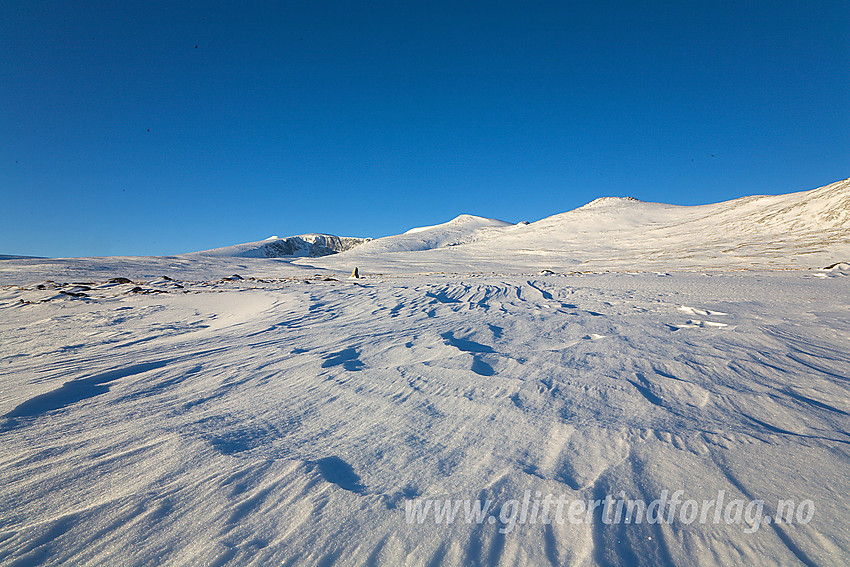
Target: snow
x: 285, y: 418
x: 462, y: 229
x: 311, y: 245
x: 799, y: 230
x: 466, y: 223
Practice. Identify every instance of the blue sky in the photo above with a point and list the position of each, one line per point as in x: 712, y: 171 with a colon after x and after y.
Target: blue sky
x: 169, y: 127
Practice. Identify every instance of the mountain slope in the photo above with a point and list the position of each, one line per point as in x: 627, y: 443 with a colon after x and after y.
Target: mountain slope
x: 303, y: 245
x: 805, y: 229
x: 462, y: 229
x: 780, y: 230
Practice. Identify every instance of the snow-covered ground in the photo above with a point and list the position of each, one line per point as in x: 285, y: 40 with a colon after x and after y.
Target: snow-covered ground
x: 292, y: 416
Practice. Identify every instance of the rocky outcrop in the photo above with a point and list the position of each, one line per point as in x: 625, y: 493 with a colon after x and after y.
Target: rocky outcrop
x: 311, y: 245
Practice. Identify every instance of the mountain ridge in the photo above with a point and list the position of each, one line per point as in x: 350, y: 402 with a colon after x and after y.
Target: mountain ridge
x: 800, y: 229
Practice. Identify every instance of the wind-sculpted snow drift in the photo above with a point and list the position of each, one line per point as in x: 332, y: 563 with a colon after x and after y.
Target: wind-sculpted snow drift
x: 293, y: 416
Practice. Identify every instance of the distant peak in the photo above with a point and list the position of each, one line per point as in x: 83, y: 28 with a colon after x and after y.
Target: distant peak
x: 465, y: 217
x: 607, y: 201
x: 462, y: 222
x: 483, y: 221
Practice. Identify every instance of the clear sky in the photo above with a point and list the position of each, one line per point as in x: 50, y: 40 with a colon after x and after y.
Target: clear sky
x: 168, y: 127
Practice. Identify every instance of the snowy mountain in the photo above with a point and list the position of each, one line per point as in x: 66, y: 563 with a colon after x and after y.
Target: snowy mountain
x: 809, y: 229
x: 805, y: 229
x: 303, y: 245
x: 463, y: 229
x: 763, y: 229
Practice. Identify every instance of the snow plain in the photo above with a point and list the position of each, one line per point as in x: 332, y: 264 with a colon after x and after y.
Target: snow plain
x: 285, y: 418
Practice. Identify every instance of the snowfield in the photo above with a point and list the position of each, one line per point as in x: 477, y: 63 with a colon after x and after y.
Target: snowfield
x: 291, y: 415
